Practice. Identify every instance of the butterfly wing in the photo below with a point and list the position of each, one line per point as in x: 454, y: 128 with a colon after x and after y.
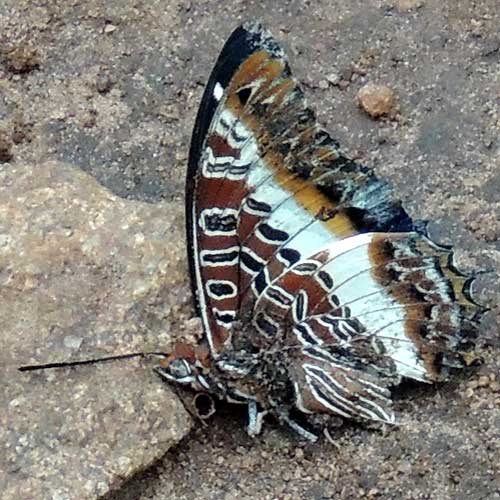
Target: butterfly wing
x: 213, y: 195
x: 305, y: 247
x: 361, y: 314
x: 265, y: 182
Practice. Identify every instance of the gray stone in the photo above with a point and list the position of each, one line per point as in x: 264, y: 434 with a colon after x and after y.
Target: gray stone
x: 84, y: 274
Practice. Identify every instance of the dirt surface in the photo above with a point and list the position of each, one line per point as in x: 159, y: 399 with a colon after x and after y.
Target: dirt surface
x: 113, y: 87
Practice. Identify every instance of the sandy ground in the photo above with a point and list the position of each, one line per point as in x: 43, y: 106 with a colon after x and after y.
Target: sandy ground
x: 113, y: 88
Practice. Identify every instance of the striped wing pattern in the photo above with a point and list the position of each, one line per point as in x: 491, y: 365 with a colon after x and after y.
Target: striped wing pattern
x: 316, y: 289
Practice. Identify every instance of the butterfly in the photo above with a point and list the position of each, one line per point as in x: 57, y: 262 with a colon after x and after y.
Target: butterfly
x: 317, y: 291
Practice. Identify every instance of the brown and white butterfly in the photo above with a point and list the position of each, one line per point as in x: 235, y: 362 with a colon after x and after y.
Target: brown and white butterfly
x: 316, y: 290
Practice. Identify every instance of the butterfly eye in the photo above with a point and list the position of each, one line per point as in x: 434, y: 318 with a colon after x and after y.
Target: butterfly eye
x: 244, y: 95
x: 179, y: 369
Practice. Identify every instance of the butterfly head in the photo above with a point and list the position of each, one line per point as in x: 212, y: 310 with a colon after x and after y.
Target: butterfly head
x: 185, y: 365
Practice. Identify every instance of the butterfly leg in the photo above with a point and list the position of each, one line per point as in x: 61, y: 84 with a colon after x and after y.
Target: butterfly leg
x: 285, y: 418
x: 255, y: 419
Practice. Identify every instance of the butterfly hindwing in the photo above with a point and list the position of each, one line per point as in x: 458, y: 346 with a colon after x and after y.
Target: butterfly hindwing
x: 374, y: 309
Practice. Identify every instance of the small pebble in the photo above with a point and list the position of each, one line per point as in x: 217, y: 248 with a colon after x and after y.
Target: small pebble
x: 109, y: 28
x: 103, y: 82
x: 73, y: 342
x: 333, y: 78
x: 469, y: 392
x: 5, y: 148
x: 376, y: 100
x: 22, y: 59
x: 407, y: 5
x: 343, y: 84
x: 495, y: 386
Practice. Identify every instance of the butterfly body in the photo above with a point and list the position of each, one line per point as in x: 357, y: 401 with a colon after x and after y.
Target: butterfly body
x: 317, y: 291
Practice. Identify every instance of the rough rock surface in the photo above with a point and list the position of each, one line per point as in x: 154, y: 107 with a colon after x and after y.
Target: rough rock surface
x: 83, y: 274
x: 115, y: 93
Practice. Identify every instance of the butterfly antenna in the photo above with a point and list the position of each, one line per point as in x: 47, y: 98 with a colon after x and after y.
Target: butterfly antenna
x: 65, y: 364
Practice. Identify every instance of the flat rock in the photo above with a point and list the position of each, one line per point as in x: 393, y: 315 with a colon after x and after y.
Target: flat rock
x: 84, y: 274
